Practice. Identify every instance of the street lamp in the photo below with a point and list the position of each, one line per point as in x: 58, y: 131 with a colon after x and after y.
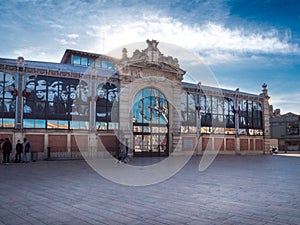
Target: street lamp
x: 198, y: 125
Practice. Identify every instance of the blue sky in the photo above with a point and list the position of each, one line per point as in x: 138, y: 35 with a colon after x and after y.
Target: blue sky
x: 243, y: 43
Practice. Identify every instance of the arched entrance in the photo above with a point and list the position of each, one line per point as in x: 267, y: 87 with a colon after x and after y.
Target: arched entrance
x: 150, y: 123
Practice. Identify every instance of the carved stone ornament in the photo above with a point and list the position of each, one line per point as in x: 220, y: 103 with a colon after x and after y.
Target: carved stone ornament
x: 147, y: 60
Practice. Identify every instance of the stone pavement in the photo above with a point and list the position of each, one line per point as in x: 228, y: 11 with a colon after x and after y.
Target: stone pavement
x: 262, y: 189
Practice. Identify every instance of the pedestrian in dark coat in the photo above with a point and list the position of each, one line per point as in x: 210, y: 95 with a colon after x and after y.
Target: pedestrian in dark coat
x: 19, y: 151
x: 7, y: 147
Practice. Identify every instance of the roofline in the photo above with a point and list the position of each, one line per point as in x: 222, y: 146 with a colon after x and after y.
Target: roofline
x: 96, y: 55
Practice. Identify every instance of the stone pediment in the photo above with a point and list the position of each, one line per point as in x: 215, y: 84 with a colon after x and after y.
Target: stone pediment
x: 152, y: 58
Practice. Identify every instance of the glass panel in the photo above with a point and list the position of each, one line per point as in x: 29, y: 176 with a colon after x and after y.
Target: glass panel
x: 191, y: 109
x: 184, y: 129
x: 74, y: 125
x: 146, y: 129
x: 155, y: 143
x: 9, y: 123
x: 150, y: 111
x: 98, y: 63
x: 52, y: 124
x: 80, y: 103
x: 214, y: 105
x: 63, y: 124
x: 110, y: 66
x: 192, y: 129
x: 107, y: 102
x: 40, y: 124
x: 27, y: 123
x: 76, y: 60
x: 137, y: 143
x: 242, y: 132
x: 91, y: 62
x: 101, y: 125
x: 208, y: 105
x: 230, y: 131
x: 104, y: 64
x: 113, y: 126
x: 184, y: 113
x: 84, y: 125
x: 84, y: 61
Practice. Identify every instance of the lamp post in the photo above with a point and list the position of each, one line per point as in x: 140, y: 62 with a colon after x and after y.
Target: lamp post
x: 198, y: 120
x: 198, y: 125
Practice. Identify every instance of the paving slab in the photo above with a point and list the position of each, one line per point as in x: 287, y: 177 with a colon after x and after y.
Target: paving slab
x: 256, y: 189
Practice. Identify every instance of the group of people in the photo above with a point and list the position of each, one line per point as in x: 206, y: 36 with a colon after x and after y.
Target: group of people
x: 20, y: 148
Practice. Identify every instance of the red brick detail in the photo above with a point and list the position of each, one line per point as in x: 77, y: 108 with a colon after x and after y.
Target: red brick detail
x: 58, y: 143
x: 79, y: 142
x: 230, y: 144
x: 259, y: 144
x: 206, y: 144
x: 251, y: 144
x: 110, y: 143
x: 244, y: 144
x: 219, y: 144
x: 36, y: 141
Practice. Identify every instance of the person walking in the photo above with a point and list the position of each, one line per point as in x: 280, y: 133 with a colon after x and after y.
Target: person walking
x: 7, y: 147
x: 19, y: 151
x: 26, y: 150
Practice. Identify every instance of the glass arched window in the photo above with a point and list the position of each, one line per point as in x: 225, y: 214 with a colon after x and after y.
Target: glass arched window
x: 150, y: 106
x: 150, y: 115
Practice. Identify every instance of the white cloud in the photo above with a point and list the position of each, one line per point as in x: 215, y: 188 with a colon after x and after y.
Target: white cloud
x: 72, y: 36
x: 57, y: 26
x: 63, y: 41
x: 24, y: 52
x: 217, y: 43
x: 286, y: 102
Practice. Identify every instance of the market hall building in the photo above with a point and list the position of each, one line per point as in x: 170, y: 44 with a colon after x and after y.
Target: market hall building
x: 92, y: 104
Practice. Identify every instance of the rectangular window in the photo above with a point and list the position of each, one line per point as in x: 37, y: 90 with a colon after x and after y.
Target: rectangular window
x: 83, y: 125
x: 104, y: 65
x: 84, y: 61
x: 91, y: 62
x: 110, y: 66
x: 76, y: 60
x: 292, y: 128
x: 113, y: 126
x: 101, y: 126
x: 9, y: 123
x: 97, y: 63
x: 57, y: 124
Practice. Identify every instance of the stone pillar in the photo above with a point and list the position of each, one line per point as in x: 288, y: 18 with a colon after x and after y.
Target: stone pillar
x: 237, y: 146
x: 125, y: 135
x: 19, y: 97
x: 174, y: 120
x: 69, y: 143
x: 93, y: 142
x: 266, y: 118
x: 92, y: 102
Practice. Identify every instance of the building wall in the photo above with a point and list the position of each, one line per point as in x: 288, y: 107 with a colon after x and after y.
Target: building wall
x: 286, y: 129
x: 224, y: 144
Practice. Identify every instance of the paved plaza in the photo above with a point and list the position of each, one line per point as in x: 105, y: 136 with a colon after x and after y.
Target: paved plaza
x: 262, y: 189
